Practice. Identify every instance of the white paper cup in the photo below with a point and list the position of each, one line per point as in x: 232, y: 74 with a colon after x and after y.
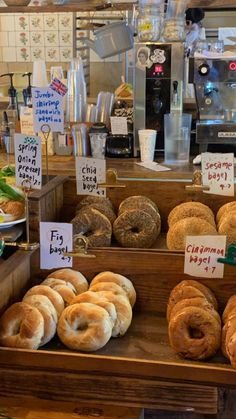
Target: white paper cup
x: 39, y: 74
x: 147, y: 142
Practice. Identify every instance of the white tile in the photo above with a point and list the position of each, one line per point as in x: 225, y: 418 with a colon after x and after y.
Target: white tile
x: 36, y: 22
x: 66, y: 54
x: 65, y: 38
x: 23, y: 54
x: 37, y: 53
x: 7, y: 23
x: 22, y: 39
x: 51, y: 38
x: 11, y: 39
x: 52, y: 54
x: 65, y: 21
x: 21, y: 22
x: 9, y: 54
x: 3, y: 39
x: 50, y: 22
x: 36, y: 39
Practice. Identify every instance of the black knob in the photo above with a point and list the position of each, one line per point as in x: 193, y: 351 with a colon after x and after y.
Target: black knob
x: 204, y: 69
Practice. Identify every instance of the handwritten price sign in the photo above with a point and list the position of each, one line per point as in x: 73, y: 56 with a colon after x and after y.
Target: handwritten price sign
x: 55, y: 240
x: 90, y: 172
x: 201, y: 254
x: 218, y: 173
x: 28, y: 160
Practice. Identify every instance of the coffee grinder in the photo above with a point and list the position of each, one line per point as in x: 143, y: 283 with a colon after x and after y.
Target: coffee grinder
x: 214, y: 79
x: 158, y: 87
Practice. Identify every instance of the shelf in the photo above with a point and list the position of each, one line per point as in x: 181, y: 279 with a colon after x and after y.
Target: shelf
x: 85, y: 6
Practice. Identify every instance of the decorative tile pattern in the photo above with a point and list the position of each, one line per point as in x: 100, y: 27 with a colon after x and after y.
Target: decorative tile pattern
x: 26, y: 37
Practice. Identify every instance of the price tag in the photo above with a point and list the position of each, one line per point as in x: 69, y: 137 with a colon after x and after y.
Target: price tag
x: 26, y: 120
x: 201, y: 254
x: 48, y: 108
x: 55, y: 240
x: 218, y: 173
x: 28, y: 160
x: 119, y: 125
x: 90, y: 172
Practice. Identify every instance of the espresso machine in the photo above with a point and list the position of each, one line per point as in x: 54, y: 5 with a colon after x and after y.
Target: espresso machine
x: 158, y: 87
x: 214, y: 79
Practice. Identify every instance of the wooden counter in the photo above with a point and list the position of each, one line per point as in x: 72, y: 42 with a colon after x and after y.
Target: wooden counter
x: 126, y: 168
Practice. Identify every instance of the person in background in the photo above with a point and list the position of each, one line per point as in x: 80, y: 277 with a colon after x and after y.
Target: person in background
x: 193, y: 28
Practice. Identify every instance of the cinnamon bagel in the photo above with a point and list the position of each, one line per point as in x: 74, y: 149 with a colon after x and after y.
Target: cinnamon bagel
x: 229, y: 308
x: 195, y: 302
x: 207, y: 292
x: 181, y: 293
x: 194, y: 333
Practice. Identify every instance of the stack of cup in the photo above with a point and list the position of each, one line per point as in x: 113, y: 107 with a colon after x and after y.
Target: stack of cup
x: 147, y: 142
x: 77, y: 92
x: 105, y: 101
x: 39, y: 78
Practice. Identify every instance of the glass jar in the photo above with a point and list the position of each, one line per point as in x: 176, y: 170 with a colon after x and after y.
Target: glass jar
x: 149, y: 23
x: 174, y: 30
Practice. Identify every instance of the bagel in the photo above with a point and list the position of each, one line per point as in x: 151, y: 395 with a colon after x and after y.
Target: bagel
x: 135, y: 228
x: 84, y: 327
x: 123, y: 310
x: 136, y: 201
x: 65, y: 289
x: 195, y: 302
x: 48, y: 311
x: 207, y: 292
x: 76, y: 278
x: 108, y: 286
x: 229, y: 308
x: 227, y: 226
x: 194, y: 333
x: 191, y: 226
x: 191, y: 209
x: 94, y: 225
x: 231, y: 349
x: 224, y: 209
x: 181, y: 293
x: 88, y: 200
x: 104, y: 209
x: 53, y: 296
x: 142, y: 203
x: 122, y: 281
x: 94, y: 298
x: 21, y: 326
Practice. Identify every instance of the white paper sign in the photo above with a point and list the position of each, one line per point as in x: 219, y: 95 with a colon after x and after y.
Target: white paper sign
x: 201, y: 254
x: 218, y: 173
x: 28, y: 160
x: 154, y: 166
x: 119, y: 125
x: 48, y: 108
x: 90, y: 172
x: 26, y: 120
x: 55, y: 240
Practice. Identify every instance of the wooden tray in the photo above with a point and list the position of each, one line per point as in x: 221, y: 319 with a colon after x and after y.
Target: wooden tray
x: 139, y: 369
x: 58, y: 199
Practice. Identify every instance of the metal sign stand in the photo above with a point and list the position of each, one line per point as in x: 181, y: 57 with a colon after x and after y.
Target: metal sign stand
x: 46, y: 130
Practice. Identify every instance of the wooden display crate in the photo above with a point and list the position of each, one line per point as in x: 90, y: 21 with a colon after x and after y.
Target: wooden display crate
x: 137, y: 370
x: 58, y: 199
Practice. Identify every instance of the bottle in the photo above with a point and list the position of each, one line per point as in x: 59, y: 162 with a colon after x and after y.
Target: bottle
x: 27, y: 92
x: 12, y: 94
x: 148, y: 23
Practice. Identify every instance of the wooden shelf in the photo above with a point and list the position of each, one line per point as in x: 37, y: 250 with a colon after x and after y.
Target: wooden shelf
x: 85, y: 6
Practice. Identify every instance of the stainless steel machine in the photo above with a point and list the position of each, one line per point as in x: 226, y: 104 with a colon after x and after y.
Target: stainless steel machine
x: 158, y: 87
x: 214, y: 79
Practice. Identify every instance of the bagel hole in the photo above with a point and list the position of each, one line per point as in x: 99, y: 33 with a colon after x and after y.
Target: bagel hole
x: 82, y: 326
x: 195, y: 333
x: 134, y: 230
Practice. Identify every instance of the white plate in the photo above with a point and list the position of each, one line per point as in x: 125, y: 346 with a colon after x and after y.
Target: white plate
x: 12, y: 223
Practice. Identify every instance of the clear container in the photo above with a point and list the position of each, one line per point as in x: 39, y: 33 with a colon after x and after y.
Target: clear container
x: 174, y: 30
x: 177, y: 130
x: 149, y: 23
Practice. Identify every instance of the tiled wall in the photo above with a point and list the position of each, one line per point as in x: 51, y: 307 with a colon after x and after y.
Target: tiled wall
x: 31, y: 36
